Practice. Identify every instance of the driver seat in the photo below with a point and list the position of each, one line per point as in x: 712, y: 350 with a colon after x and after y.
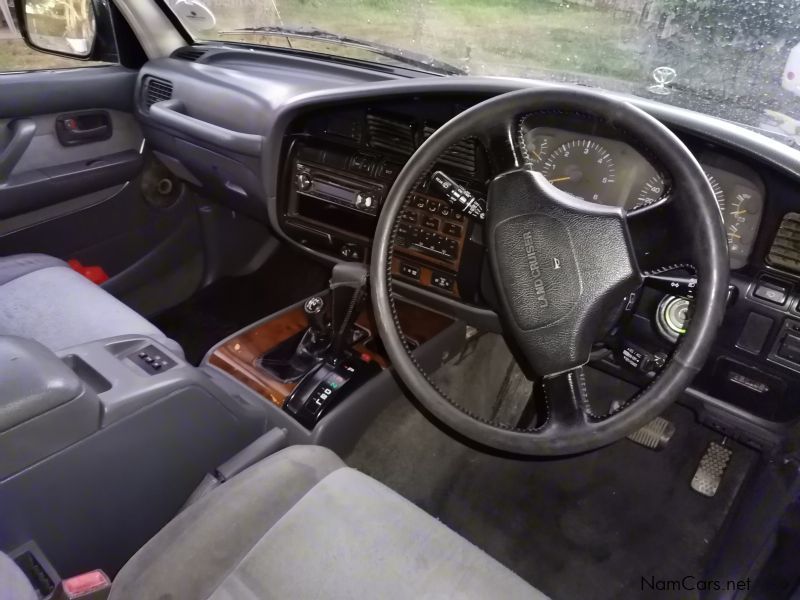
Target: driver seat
x: 301, y: 524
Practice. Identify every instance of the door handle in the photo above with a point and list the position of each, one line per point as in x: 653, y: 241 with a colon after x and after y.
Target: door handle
x: 83, y: 127
x: 18, y: 136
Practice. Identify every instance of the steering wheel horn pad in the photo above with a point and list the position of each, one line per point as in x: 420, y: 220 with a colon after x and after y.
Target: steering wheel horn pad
x: 549, y: 254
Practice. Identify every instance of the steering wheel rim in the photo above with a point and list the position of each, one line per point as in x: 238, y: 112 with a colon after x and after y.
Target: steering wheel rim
x: 566, y: 434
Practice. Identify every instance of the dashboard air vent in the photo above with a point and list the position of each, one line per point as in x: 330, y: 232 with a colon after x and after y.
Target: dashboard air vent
x: 785, y: 250
x: 388, y: 134
x: 156, y: 90
x: 460, y: 155
x: 189, y: 53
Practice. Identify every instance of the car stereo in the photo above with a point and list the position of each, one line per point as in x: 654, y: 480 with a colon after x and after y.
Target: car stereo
x: 314, y: 182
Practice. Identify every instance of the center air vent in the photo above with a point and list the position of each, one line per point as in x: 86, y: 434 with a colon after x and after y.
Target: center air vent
x: 460, y: 155
x: 189, y: 53
x: 785, y: 250
x: 388, y: 134
x: 156, y: 90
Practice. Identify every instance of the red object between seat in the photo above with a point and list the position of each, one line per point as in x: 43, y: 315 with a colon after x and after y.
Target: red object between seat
x: 95, y: 274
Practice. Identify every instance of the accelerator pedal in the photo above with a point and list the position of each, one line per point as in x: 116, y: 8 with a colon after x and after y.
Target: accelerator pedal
x: 711, y: 469
x: 655, y: 435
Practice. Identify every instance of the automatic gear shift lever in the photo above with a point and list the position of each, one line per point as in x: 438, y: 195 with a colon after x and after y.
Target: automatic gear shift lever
x: 340, y: 370
x: 331, y: 321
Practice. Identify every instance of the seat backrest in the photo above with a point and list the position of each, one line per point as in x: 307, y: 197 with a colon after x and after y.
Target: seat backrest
x: 14, y: 585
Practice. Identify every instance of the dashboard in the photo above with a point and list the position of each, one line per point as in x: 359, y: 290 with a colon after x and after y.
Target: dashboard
x: 311, y: 149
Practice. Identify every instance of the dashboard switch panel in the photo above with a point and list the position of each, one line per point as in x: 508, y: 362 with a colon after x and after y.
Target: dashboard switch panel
x: 754, y: 333
x: 789, y: 348
x: 785, y: 349
x: 408, y: 270
x: 442, y: 281
x: 772, y: 291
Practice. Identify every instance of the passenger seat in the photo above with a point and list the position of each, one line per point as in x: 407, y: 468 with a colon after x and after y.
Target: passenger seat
x: 42, y: 298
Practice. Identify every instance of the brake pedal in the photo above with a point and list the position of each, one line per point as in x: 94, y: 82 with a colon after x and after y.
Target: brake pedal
x: 711, y: 469
x: 655, y: 435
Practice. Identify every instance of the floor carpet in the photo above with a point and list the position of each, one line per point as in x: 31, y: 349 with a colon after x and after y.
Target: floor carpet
x: 594, y: 526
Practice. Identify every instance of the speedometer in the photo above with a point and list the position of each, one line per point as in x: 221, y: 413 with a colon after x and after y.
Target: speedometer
x: 582, y: 168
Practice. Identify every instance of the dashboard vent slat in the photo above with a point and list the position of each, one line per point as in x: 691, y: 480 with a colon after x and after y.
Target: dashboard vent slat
x: 388, y: 134
x: 156, y: 90
x: 460, y: 155
x: 189, y: 53
x: 785, y: 250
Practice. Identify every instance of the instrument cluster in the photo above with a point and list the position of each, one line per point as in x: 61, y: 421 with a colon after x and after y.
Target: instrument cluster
x: 599, y: 167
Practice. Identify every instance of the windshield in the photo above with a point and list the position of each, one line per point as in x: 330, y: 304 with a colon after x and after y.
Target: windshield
x: 735, y: 59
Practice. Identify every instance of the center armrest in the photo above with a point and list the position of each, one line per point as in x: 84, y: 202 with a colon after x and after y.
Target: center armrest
x: 35, y: 381
x: 45, y: 406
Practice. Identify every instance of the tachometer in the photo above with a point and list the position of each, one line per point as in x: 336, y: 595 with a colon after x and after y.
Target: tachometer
x: 582, y: 168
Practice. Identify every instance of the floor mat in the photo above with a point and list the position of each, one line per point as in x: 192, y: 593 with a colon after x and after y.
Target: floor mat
x: 234, y: 302
x: 596, y: 526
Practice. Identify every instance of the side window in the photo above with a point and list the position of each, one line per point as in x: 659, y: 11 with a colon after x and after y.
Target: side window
x: 16, y: 55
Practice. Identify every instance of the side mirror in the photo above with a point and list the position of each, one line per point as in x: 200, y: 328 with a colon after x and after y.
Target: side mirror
x: 63, y: 27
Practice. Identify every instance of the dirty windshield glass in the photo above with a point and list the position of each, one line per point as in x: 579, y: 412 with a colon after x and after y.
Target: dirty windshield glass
x: 736, y: 59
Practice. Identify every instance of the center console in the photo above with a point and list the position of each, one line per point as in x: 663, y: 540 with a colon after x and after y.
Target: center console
x: 336, y: 178
x: 93, y: 434
x: 313, y: 357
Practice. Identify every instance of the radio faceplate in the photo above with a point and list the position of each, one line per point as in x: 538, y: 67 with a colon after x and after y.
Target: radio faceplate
x: 324, y: 185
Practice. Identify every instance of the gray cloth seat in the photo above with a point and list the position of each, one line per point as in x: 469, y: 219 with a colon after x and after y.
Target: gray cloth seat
x: 42, y: 298
x: 13, y: 583
x: 300, y: 524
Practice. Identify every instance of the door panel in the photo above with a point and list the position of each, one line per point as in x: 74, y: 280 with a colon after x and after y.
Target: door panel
x: 75, y: 187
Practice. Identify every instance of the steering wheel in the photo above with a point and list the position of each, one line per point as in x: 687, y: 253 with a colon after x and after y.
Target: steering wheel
x: 561, y: 266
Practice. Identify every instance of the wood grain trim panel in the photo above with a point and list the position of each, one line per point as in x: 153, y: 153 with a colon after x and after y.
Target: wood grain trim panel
x: 240, y: 355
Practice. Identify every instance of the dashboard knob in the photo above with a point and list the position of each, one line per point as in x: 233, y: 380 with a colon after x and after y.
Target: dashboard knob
x: 303, y: 181
x: 672, y: 315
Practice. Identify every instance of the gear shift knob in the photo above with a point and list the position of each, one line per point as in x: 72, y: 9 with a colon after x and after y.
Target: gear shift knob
x: 315, y: 312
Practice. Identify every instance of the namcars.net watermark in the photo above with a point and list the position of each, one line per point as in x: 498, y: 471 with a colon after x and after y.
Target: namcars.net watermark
x: 691, y: 583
